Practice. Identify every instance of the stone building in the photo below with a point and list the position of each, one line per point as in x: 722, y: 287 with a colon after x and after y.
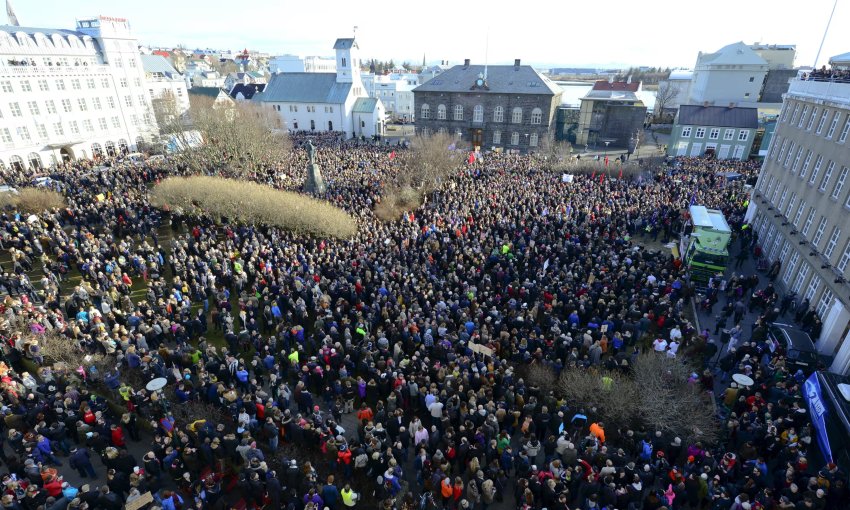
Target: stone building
x: 500, y: 106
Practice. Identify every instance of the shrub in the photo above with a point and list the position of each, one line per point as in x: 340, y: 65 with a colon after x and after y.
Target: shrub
x: 252, y: 203
x: 33, y: 200
x: 397, y: 201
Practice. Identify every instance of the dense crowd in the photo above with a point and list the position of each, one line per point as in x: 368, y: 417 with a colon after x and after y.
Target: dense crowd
x: 383, y: 371
x: 828, y: 74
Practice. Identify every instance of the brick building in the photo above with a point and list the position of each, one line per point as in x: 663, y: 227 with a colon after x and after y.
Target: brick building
x: 500, y: 106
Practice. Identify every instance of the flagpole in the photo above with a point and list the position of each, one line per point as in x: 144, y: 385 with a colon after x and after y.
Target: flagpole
x: 825, y: 31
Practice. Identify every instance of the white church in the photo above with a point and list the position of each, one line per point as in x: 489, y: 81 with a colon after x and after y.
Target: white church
x: 320, y: 102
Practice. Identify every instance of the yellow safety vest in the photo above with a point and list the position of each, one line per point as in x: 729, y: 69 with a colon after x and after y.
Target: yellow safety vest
x: 349, y: 498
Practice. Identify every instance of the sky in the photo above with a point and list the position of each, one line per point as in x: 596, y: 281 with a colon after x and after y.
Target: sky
x: 667, y: 33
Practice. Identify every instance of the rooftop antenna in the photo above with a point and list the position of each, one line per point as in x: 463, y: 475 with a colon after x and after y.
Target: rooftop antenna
x: 487, y: 50
x: 355, y: 32
x: 829, y: 22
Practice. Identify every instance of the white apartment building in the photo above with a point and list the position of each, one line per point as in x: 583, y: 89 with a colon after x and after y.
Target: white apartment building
x: 69, y: 94
x: 163, y: 81
x: 733, y: 74
x: 296, y: 64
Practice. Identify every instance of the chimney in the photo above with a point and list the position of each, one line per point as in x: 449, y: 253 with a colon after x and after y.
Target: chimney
x: 466, y: 62
x: 516, y: 64
x: 629, y: 80
x: 611, y: 79
x: 732, y: 105
x: 705, y: 104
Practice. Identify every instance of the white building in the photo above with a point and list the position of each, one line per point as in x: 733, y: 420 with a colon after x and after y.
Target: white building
x: 296, y: 64
x: 733, y: 74
x: 325, y: 101
x: 397, y: 97
x: 163, y: 81
x: 208, y: 79
x: 679, y: 82
x: 71, y: 94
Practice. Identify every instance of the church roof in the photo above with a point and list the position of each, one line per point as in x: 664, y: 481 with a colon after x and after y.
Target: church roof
x: 344, y: 43
x: 732, y: 54
x: 304, y: 88
x: 365, y: 105
x: 501, y: 79
x: 719, y: 116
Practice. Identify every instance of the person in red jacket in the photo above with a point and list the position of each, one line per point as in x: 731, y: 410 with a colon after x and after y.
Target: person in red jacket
x: 53, y: 486
x: 118, y: 436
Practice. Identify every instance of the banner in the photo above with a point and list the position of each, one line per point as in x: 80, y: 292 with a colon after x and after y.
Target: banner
x: 818, y: 413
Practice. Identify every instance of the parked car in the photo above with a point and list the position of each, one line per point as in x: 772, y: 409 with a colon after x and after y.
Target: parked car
x: 800, y: 351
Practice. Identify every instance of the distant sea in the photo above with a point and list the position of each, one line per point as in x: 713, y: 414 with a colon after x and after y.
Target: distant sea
x: 575, y: 90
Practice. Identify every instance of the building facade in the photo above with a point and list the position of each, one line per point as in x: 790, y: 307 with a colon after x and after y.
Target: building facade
x: 611, y: 112
x: 733, y: 74
x: 296, y: 64
x: 801, y: 206
x: 69, y: 94
x: 164, y: 83
x: 322, y: 101
x: 726, y: 133
x: 498, y: 106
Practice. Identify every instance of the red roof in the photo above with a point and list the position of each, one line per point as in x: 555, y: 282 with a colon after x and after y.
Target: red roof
x: 162, y: 53
x: 617, y: 85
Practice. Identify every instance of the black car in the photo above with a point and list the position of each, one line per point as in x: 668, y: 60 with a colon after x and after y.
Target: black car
x: 800, y: 351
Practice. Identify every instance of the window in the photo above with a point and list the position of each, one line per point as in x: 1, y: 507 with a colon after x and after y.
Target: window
x: 42, y: 131
x: 728, y: 134
x: 839, y: 184
x: 134, y: 119
x: 782, y: 151
x: 752, y: 78
x: 816, y: 170
x: 101, y: 123
x: 842, y: 263
x: 118, y: 63
x: 782, y: 200
x: 514, y: 138
x: 478, y: 113
x: 6, y: 135
x: 822, y: 121
x: 128, y: 101
x: 132, y: 63
x: 844, y: 130
x: 75, y: 84
x: 824, y: 303
x: 794, y: 116
x: 142, y: 101
x: 516, y: 115
x: 833, y: 125
x: 812, y: 119
x: 42, y: 85
x: 104, y: 82
x: 826, y: 176
x: 790, y: 154
x: 458, y: 112
x: 137, y: 82
x: 799, y: 214
x: 88, y: 125
x: 536, y: 116
x: 425, y: 111
x: 497, y: 136
x: 774, y: 146
x: 75, y: 128
x: 700, y: 133
x: 81, y: 102
x: 814, y: 285
x: 791, y: 204
x: 803, y: 116
x: 792, y: 266
x: 797, y: 160
x: 312, y: 124
x: 90, y: 83
x: 60, y: 84
x: 111, y: 102
x: 66, y: 105
x: 343, y: 62
x: 686, y: 132
x: 532, y: 140
x: 801, y: 277
x: 833, y: 239
x: 57, y: 129
x: 785, y: 110
x: 743, y: 135
x: 806, y: 164
x: 714, y: 134
x: 33, y: 106
x: 7, y: 85
x: 24, y: 133
x: 116, y: 122
x: 808, y: 223
x: 96, y: 102
x: 499, y: 114
x: 819, y: 232
x: 441, y: 112
x: 16, y: 109
x: 123, y: 83
x: 25, y: 86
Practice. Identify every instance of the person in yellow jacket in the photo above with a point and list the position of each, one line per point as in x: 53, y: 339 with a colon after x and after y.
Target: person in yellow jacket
x: 349, y: 497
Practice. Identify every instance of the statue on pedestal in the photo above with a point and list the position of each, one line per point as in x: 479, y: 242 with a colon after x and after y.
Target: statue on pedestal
x: 315, y: 183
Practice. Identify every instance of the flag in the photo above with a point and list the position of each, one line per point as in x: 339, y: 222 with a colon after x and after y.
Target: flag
x: 471, y: 159
x: 10, y: 13
x: 606, y: 160
x: 593, y: 175
x: 392, y: 155
x: 601, y: 178
x: 620, y: 175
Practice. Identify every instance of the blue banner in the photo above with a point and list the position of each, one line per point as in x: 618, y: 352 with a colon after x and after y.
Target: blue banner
x: 818, y: 412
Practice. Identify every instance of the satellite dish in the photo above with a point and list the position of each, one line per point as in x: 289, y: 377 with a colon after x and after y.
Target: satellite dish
x: 157, y: 384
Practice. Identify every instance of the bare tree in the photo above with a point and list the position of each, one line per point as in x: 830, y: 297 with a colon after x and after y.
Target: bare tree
x: 612, y: 395
x: 669, y: 402
x: 554, y: 155
x: 541, y: 376
x: 667, y: 91
x: 430, y: 161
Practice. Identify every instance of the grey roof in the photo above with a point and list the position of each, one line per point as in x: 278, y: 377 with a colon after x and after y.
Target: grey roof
x: 719, y: 116
x: 247, y: 90
x: 304, y: 88
x: 46, y: 31
x: 732, y: 54
x: 344, y: 43
x: 157, y: 64
x: 612, y: 95
x: 500, y: 80
x: 212, y: 92
x: 365, y: 105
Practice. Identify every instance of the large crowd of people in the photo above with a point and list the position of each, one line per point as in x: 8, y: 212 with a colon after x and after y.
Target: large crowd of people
x: 382, y: 371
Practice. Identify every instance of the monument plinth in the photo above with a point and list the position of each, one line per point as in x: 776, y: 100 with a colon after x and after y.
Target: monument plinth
x: 314, y: 183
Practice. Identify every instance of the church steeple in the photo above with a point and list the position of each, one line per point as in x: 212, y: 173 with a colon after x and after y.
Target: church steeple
x: 347, y: 61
